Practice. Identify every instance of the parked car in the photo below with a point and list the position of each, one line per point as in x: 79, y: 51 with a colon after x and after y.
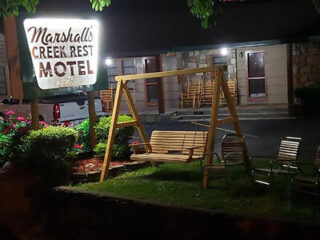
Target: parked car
x: 64, y: 109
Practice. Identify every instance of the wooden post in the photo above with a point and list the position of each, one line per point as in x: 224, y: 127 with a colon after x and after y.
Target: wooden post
x: 213, y: 125
x: 290, y: 77
x: 35, y: 114
x: 230, y: 104
x: 92, y: 118
x: 112, y: 132
x: 161, y: 100
x: 10, y: 29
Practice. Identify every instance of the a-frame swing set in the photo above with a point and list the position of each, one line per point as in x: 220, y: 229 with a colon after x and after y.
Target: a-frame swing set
x: 122, y: 88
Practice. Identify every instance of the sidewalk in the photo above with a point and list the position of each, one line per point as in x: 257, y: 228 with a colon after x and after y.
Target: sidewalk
x: 245, y: 112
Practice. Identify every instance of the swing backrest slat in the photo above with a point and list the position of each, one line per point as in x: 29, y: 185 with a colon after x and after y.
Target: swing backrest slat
x: 178, y: 141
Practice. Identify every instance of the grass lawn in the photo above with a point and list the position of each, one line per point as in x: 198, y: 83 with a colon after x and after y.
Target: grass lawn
x: 180, y: 185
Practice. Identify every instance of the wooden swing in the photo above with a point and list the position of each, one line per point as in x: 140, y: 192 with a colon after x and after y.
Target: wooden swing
x: 166, y: 152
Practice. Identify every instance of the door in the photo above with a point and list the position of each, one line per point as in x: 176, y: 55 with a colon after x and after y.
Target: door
x: 151, y: 85
x: 256, y: 76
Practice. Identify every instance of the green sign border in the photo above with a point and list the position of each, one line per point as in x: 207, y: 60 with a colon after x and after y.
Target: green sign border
x: 31, y: 89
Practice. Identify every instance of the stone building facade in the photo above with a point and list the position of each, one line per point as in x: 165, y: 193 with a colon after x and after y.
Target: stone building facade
x: 306, y: 63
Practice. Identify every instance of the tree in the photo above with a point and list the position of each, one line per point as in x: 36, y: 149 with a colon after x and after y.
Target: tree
x: 8, y: 7
x: 205, y: 10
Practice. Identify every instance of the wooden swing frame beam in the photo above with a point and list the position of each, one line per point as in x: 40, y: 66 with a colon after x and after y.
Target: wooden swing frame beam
x: 122, y: 88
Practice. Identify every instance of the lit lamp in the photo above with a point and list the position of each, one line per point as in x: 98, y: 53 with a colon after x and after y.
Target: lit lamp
x: 108, y: 61
x: 224, y: 51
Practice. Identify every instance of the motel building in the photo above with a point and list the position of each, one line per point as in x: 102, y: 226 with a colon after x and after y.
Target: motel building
x: 265, y: 59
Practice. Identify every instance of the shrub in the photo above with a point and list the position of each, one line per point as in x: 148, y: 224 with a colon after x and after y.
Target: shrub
x: 46, y: 153
x: 12, y: 130
x: 309, y: 96
x: 119, y: 151
x: 84, y: 135
x: 121, y: 148
x: 4, y: 140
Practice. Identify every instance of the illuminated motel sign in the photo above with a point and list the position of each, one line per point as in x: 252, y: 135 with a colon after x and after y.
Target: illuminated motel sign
x: 64, y: 52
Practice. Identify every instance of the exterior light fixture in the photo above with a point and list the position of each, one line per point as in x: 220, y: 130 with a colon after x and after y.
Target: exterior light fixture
x: 224, y: 51
x: 108, y: 61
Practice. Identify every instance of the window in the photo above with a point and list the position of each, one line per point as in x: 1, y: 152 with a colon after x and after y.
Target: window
x: 112, y: 73
x: 120, y: 67
x: 151, y: 84
x: 221, y: 61
x: 3, y: 81
x: 127, y: 67
x: 256, y: 75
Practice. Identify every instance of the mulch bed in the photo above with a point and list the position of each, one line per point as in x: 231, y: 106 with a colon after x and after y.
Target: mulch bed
x: 92, y: 165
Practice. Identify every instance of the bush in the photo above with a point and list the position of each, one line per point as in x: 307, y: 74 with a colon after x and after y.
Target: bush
x: 309, y: 96
x: 121, y: 147
x: 84, y: 135
x: 119, y: 151
x: 46, y: 153
x: 12, y: 130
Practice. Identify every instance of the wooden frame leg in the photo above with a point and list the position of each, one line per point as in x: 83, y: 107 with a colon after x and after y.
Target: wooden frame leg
x: 213, y: 126
x: 112, y: 131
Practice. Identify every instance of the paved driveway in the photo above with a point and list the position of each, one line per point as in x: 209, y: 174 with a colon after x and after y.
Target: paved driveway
x: 263, y: 136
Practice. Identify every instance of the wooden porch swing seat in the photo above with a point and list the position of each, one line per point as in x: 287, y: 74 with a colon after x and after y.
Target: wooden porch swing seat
x: 173, y: 146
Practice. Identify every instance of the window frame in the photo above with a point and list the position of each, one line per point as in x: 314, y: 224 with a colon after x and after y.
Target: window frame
x: 119, y: 66
x: 264, y: 98
x: 147, y: 103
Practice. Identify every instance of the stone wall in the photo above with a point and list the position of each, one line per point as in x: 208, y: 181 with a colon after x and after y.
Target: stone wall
x: 204, y: 58
x: 171, y: 87
x: 306, y: 63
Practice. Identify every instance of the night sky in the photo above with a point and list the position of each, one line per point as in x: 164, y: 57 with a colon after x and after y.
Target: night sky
x: 143, y: 27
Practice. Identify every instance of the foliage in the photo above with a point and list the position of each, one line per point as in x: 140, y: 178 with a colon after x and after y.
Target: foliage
x: 46, y: 153
x: 84, y: 135
x: 12, y: 6
x: 205, y: 10
x: 121, y: 148
x: 4, y: 140
x: 119, y: 151
x: 309, y: 95
x: 100, y: 4
x: 316, y: 4
x: 12, y: 130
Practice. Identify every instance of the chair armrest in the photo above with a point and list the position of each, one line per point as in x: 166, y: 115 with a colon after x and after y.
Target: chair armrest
x: 212, y: 153
x: 192, y: 149
x: 135, y: 147
x: 271, y: 162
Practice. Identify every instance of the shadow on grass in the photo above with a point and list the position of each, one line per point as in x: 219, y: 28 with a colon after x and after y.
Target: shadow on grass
x: 176, y: 172
x: 175, y: 175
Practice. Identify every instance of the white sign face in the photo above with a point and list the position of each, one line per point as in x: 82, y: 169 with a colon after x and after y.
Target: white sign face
x: 64, y: 52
